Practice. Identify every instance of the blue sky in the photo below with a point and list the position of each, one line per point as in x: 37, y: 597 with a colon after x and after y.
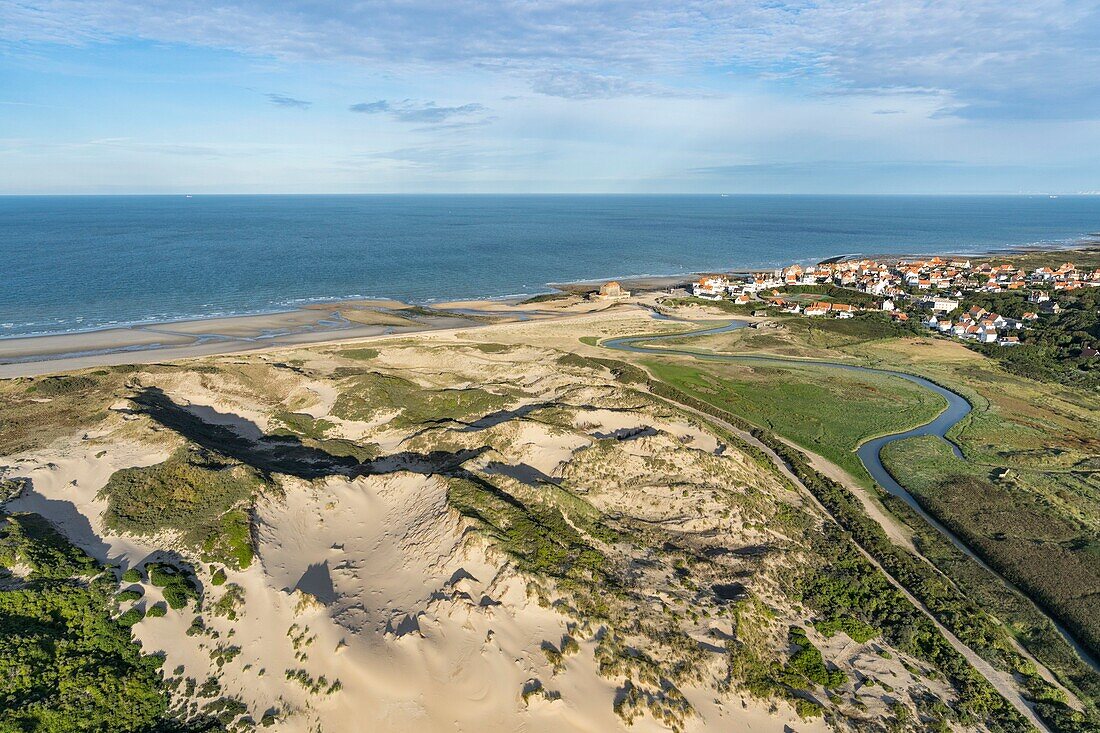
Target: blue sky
x: 734, y: 96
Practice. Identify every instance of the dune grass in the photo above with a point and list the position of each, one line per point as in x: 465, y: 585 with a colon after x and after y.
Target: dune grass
x: 202, y: 495
x: 372, y: 395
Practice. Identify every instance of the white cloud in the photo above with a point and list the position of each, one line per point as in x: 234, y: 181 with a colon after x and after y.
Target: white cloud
x: 990, y: 58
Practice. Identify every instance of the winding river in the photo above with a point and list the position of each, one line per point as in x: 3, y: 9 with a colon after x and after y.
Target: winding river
x: 870, y: 451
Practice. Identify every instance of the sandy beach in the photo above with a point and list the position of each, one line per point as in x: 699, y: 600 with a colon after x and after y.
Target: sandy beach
x: 315, y: 324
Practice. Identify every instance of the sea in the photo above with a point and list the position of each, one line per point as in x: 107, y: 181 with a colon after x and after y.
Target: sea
x: 78, y: 263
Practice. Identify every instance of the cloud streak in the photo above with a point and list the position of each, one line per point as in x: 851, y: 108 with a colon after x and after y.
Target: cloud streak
x: 408, y: 110
x: 281, y: 100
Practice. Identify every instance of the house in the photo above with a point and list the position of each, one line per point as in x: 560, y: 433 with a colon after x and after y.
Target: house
x: 743, y: 299
x: 1009, y: 341
x: 843, y: 310
x: 942, y: 305
x: 1050, y: 306
x: 711, y: 287
x: 612, y: 291
x: 887, y: 305
x: 818, y: 309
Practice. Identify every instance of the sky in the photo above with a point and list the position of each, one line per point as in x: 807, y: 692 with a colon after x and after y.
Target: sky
x: 619, y: 96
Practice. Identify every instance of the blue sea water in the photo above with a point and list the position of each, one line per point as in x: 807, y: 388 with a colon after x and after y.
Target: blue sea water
x: 78, y: 263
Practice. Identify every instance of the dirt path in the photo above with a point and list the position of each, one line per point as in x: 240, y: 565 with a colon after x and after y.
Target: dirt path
x: 1003, y: 682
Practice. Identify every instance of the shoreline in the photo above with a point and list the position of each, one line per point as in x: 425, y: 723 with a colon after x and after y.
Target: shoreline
x: 640, y: 282
x: 42, y: 355
x: 345, y: 319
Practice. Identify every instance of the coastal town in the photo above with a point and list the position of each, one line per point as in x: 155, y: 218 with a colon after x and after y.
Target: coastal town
x: 935, y: 290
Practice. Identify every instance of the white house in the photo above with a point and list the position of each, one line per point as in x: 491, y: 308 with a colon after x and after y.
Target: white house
x: 943, y: 305
x: 711, y: 287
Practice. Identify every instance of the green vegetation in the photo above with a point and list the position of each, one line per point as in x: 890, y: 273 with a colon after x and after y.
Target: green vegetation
x: 203, y: 495
x: 554, y: 534
x: 65, y: 664
x: 726, y: 306
x: 807, y: 663
x: 1025, y: 441
x: 853, y: 628
x: 359, y: 354
x: 40, y: 410
x: 218, y: 577
x: 317, y: 686
x: 132, y: 575
x: 1014, y: 523
x: 128, y: 595
x: 827, y: 411
x: 1051, y: 349
x: 753, y: 669
x: 29, y: 540
x: 301, y: 424
x: 535, y: 534
x: 830, y: 294
x: 493, y: 348
x: 178, y: 587
x: 373, y: 395
x: 834, y: 332
x: 1022, y: 619
x: 157, y: 610
x: 131, y: 617
x: 230, y: 603
x: 11, y: 489
x: 847, y: 586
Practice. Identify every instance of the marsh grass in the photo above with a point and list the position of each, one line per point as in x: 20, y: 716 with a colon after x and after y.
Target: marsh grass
x: 828, y: 411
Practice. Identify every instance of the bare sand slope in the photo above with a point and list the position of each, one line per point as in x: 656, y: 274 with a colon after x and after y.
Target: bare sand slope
x: 470, y: 530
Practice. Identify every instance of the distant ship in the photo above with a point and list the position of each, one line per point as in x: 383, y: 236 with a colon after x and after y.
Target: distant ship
x: 187, y: 196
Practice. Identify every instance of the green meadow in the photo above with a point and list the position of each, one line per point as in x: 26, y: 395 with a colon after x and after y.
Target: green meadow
x: 827, y: 411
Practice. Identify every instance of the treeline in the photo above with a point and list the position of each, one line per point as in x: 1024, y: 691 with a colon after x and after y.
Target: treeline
x: 66, y: 663
x: 897, y: 619
x: 1051, y: 349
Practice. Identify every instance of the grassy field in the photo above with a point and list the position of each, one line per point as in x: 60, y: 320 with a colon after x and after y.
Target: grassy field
x: 1038, y: 524
x: 1086, y: 258
x: 825, y: 410
x: 1018, y: 614
x: 1016, y: 521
